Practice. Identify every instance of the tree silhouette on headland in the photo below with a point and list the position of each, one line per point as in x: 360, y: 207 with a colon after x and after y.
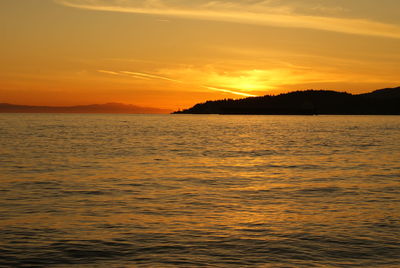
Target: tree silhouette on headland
x: 384, y: 101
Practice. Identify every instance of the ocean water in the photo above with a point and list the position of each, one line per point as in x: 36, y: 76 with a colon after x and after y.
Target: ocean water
x: 199, y: 191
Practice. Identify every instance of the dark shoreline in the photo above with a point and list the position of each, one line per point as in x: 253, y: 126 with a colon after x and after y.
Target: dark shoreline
x: 309, y: 102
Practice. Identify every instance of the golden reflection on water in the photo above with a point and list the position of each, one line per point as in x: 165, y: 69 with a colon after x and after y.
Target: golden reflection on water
x: 249, y: 189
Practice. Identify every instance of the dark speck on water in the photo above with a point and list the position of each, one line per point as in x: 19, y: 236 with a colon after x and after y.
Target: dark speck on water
x: 199, y: 191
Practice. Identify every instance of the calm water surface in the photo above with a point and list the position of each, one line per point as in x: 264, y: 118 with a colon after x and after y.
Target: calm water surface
x: 199, y: 191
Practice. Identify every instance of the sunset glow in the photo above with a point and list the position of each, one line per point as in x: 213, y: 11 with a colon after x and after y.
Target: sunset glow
x: 172, y: 54
x: 199, y: 133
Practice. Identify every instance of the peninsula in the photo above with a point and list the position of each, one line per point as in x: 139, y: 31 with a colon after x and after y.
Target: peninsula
x: 379, y: 102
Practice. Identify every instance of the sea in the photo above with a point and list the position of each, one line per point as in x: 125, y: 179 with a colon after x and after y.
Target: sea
x: 106, y: 190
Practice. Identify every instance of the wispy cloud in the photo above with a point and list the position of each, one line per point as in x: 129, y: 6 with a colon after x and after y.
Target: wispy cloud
x: 230, y: 91
x: 108, y: 72
x: 259, y: 13
x: 146, y: 75
x: 138, y: 75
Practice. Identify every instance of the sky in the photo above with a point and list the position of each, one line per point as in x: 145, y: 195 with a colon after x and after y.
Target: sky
x: 176, y: 53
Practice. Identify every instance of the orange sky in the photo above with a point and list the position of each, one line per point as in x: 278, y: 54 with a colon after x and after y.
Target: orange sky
x: 174, y: 53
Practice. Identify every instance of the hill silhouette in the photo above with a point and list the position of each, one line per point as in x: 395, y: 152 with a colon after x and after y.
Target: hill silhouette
x: 114, y: 108
x: 384, y: 101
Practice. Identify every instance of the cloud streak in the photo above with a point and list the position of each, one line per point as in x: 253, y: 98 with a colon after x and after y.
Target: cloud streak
x: 147, y: 76
x: 150, y: 76
x: 257, y: 14
x: 230, y: 91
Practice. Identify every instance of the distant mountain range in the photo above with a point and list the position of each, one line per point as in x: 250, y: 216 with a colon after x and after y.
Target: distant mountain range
x: 379, y: 102
x: 113, y: 108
